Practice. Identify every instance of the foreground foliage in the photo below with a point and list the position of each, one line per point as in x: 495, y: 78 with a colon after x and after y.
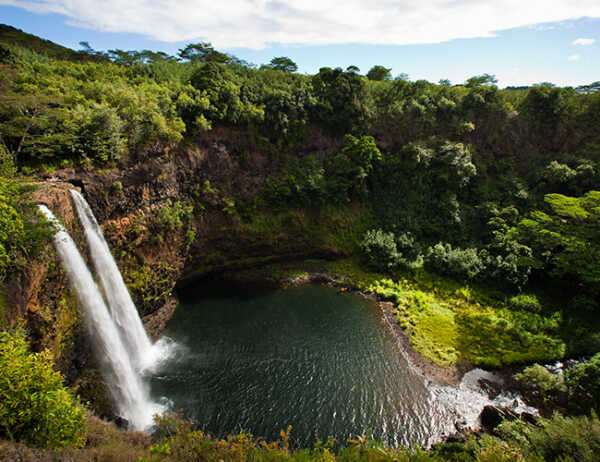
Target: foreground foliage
x: 35, y: 406
x: 554, y: 439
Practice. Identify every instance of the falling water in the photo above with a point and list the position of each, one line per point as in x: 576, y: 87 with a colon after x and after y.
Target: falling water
x: 129, y: 393
x: 122, y: 308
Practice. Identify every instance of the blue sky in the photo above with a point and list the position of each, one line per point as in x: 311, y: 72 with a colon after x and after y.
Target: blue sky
x: 565, y: 51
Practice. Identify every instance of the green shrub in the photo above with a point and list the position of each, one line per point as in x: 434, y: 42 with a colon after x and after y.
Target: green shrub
x: 149, y: 285
x: 35, y: 406
x: 556, y: 174
x: 507, y: 266
x: 454, y: 262
x: 409, y: 247
x: 117, y: 187
x: 171, y: 217
x: 386, y: 252
x: 556, y: 439
x: 583, y: 384
x: 525, y: 302
x: 495, y: 450
x: 380, y: 250
x: 540, y: 382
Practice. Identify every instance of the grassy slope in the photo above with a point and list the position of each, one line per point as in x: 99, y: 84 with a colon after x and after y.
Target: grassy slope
x: 449, y: 324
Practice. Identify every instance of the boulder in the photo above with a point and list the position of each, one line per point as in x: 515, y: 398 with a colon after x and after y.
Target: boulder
x: 121, y: 422
x: 492, y: 416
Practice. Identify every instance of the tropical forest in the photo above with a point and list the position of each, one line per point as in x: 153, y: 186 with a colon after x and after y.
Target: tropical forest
x: 207, y: 259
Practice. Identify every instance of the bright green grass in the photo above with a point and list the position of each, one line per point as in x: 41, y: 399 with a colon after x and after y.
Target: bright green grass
x: 450, y: 327
x: 432, y: 326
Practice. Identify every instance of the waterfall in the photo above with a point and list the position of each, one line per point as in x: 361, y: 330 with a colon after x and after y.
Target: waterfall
x: 122, y: 308
x: 124, y: 382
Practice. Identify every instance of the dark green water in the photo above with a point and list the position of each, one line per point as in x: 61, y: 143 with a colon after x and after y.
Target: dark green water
x: 325, y: 363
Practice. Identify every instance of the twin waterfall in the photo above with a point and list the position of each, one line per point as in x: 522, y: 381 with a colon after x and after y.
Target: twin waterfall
x: 117, y: 332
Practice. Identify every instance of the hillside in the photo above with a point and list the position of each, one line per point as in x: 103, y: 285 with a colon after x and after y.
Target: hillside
x: 12, y: 36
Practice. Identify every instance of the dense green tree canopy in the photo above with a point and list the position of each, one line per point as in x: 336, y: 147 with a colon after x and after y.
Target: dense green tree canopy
x: 497, y: 189
x: 341, y: 97
x: 458, y: 165
x: 566, y: 237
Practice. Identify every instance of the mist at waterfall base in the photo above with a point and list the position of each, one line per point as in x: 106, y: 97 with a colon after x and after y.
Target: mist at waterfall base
x: 124, y: 353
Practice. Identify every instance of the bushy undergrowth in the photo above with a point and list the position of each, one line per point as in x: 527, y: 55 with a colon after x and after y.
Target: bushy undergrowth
x: 525, y: 302
x: 385, y: 251
x: 583, y: 385
x: 559, y: 438
x: 381, y: 250
x: 539, y: 384
x: 555, y: 439
x: 35, y: 406
x: 463, y: 264
x: 573, y: 391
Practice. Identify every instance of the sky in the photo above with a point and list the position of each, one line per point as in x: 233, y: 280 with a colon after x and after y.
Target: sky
x: 522, y: 42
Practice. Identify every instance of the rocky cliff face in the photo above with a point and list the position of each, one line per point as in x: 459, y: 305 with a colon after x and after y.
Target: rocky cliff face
x: 38, y: 297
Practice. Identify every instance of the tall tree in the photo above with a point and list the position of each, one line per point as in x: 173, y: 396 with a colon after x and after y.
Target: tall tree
x: 341, y: 97
x: 482, y: 80
x: 565, y: 238
x: 87, y: 48
x: 283, y: 63
x: 203, y: 52
x: 379, y: 73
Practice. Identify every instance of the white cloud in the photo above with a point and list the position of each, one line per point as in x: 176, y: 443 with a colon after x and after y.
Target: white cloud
x: 584, y: 41
x: 574, y: 57
x: 257, y: 23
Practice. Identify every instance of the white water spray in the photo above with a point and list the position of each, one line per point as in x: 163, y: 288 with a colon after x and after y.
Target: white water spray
x: 129, y: 393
